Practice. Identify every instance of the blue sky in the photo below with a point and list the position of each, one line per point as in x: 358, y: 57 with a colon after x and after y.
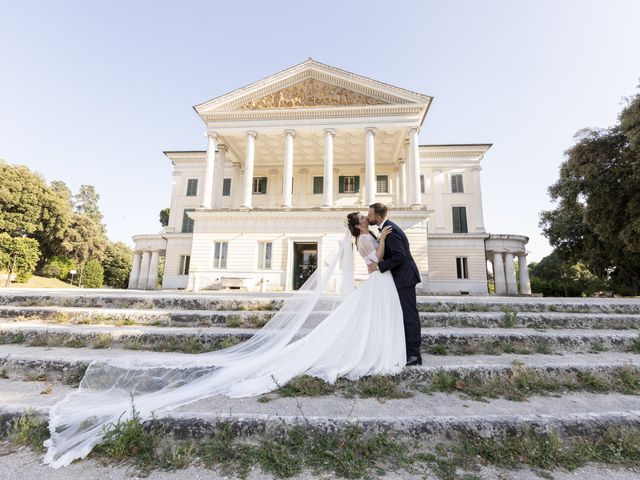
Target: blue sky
x: 92, y: 92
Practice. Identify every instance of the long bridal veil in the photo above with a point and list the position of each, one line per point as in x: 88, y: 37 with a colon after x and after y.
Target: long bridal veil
x: 160, y: 383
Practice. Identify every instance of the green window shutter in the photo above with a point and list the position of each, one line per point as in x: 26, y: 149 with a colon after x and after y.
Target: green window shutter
x: 357, y: 184
x: 460, y: 220
x: 340, y: 184
x: 456, y: 183
x: 192, y: 187
x: 263, y: 184
x: 318, y: 185
x: 187, y: 223
x: 382, y: 184
x: 226, y: 187
x: 421, y: 183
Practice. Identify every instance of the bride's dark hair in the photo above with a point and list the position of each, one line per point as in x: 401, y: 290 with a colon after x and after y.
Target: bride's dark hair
x: 354, y: 224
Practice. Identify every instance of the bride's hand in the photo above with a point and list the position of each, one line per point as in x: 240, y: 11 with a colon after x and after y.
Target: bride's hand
x: 385, y: 231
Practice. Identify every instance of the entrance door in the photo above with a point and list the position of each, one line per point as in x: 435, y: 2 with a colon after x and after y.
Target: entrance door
x: 305, y: 261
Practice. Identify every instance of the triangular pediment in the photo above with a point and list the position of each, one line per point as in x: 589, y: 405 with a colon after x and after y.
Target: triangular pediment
x: 312, y: 85
x: 311, y: 93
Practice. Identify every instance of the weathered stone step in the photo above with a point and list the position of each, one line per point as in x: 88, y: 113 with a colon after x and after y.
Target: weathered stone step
x: 272, y: 301
x: 257, y: 318
x: 438, y: 341
x: 67, y: 365
x: 424, y: 417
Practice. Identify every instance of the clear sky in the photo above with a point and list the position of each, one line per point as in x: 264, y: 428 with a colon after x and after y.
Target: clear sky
x: 92, y: 92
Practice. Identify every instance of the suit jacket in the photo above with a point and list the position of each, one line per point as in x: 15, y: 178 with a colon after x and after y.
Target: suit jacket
x: 398, y: 259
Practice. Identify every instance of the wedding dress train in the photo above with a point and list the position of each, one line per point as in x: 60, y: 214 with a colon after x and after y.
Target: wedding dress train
x: 314, y: 333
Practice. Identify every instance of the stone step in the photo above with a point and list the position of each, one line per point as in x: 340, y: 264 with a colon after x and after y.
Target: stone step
x: 273, y: 301
x: 257, y: 318
x: 438, y: 341
x: 67, y: 365
x: 424, y: 417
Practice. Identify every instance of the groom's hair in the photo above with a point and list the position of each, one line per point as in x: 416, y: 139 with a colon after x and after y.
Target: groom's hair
x: 379, y: 209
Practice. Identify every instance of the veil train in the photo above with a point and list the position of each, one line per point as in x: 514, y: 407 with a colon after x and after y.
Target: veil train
x: 161, y: 383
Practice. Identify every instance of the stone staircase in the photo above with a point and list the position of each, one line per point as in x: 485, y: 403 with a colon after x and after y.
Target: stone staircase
x: 493, y: 366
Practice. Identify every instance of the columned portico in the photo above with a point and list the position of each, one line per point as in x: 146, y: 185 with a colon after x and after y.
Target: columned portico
x: 510, y: 273
x: 402, y: 166
x: 328, y: 167
x: 370, y: 166
x: 218, y: 181
x: 416, y: 199
x: 135, y: 270
x: 502, y: 250
x: 209, y: 169
x: 143, y: 277
x: 248, y: 170
x: 287, y: 183
x: 525, y: 286
x: 498, y: 274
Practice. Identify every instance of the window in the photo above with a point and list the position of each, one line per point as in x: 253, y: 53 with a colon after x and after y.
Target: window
x: 185, y: 260
x: 260, y: 185
x: 348, y: 184
x: 460, y: 220
x: 192, y: 187
x: 264, y: 255
x: 220, y: 254
x: 187, y: 223
x: 461, y: 267
x: 318, y: 185
x: 456, y: 183
x: 382, y: 184
x: 226, y: 187
x: 421, y: 183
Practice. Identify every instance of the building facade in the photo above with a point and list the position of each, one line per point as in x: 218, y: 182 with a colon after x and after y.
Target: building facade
x: 288, y: 157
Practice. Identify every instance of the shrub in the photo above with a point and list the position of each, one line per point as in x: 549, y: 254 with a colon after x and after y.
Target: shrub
x: 93, y: 274
x: 57, y: 267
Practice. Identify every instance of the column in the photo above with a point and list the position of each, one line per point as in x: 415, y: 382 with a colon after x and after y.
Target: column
x: 144, y: 270
x: 287, y: 179
x: 510, y: 271
x: 248, y: 170
x: 416, y: 199
x: 396, y: 186
x: 236, y: 185
x: 438, y: 184
x: 218, y: 181
x: 207, y: 188
x: 327, y: 181
x: 402, y: 190
x: 478, y: 193
x: 498, y: 274
x: 408, y: 184
x: 135, y: 270
x: 370, y: 166
x: 525, y: 286
x: 153, y: 270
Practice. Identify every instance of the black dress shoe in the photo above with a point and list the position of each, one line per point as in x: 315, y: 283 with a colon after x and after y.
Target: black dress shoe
x: 413, y: 360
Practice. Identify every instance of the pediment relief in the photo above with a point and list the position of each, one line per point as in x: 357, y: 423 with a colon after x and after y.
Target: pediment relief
x: 311, y: 93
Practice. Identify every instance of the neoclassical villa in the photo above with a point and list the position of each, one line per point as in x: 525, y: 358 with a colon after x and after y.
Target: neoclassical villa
x: 288, y: 157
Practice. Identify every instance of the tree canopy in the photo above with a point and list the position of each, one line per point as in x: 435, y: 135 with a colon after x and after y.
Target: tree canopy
x: 597, y: 217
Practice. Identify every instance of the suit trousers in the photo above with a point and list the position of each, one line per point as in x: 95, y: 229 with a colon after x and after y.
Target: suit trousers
x: 411, y: 319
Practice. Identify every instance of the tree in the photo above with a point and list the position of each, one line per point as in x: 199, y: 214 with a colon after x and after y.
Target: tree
x: 597, y: 218
x: 28, y: 206
x: 93, y: 275
x: 87, y: 241
x: 18, y: 255
x: 164, y: 216
x: 117, y: 265
x: 57, y: 267
x: 86, y: 202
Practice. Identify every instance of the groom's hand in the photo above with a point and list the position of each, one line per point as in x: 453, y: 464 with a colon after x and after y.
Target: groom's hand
x: 373, y: 267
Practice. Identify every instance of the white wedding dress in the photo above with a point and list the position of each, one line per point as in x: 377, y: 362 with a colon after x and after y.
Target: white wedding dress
x: 314, y: 333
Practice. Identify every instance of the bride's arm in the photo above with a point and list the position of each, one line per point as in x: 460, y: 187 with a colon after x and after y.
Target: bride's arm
x: 380, y: 251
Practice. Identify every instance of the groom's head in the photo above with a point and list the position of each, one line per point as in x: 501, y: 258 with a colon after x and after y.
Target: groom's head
x: 377, y: 213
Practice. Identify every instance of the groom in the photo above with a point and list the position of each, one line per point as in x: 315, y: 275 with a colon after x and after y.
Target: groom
x: 398, y: 259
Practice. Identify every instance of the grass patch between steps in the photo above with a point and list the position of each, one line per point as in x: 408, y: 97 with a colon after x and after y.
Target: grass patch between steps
x: 348, y: 452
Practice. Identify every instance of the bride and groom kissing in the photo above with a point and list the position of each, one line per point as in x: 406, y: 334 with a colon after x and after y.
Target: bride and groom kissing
x: 359, y: 334
x: 394, y: 260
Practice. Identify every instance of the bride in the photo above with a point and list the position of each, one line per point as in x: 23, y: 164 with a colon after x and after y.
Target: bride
x: 314, y: 333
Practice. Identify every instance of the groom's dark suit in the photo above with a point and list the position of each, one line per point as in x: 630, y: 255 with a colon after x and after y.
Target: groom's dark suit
x: 398, y: 259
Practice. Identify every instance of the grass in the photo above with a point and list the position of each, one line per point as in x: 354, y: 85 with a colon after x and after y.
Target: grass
x: 509, y: 317
x: 347, y: 452
x: 37, y: 281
